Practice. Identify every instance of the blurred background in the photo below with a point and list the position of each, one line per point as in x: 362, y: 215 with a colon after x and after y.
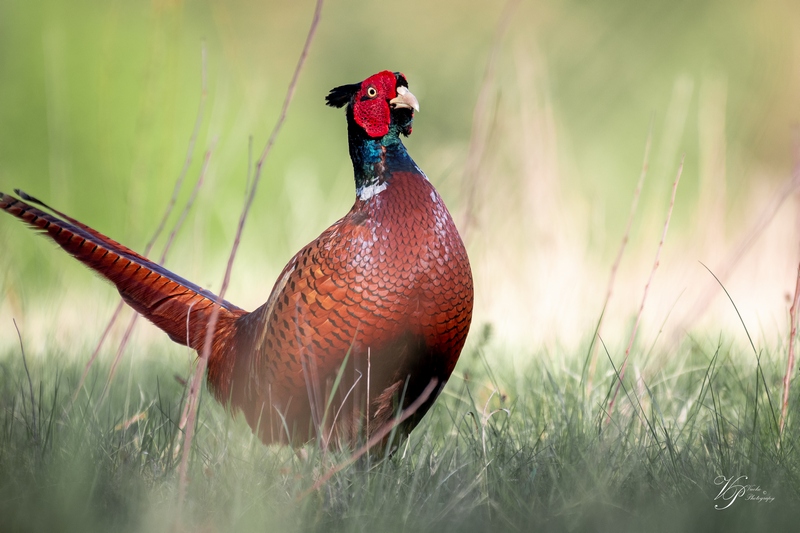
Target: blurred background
x: 535, y: 117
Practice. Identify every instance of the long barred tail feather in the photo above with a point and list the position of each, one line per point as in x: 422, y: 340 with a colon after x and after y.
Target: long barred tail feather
x: 177, y: 306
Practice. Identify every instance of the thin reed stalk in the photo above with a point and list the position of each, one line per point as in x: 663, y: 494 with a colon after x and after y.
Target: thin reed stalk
x: 787, y: 377
x: 160, y: 228
x: 621, y: 376
x: 189, y: 414
x: 614, y: 267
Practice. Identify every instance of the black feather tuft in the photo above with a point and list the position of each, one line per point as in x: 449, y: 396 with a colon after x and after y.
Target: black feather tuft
x: 28, y: 198
x: 341, y: 96
x: 401, y: 79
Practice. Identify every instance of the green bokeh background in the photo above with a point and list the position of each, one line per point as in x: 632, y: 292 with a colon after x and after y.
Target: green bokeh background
x: 98, y: 102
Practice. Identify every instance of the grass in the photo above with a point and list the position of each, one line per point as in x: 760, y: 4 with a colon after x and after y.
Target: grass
x: 514, y: 449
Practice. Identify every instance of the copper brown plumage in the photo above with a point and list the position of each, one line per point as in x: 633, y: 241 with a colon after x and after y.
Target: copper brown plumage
x: 359, y: 323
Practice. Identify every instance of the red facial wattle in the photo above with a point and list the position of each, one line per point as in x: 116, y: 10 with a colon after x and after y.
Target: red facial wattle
x: 371, y: 106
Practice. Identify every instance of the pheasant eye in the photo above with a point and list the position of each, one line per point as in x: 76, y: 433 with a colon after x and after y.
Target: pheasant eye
x: 372, y: 92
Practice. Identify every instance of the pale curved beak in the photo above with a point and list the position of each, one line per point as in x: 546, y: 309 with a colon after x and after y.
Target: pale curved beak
x: 405, y: 99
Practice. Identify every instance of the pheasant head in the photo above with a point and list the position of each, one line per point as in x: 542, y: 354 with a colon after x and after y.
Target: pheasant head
x: 377, y: 102
x: 379, y: 110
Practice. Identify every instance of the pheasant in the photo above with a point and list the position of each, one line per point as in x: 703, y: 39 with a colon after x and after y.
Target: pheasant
x: 365, y: 321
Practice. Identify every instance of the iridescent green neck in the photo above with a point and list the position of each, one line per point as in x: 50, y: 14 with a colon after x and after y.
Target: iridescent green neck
x: 376, y: 159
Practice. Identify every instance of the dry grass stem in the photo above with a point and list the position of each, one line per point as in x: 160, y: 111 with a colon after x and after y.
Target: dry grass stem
x: 625, y: 237
x: 763, y: 221
x: 160, y: 228
x: 189, y: 414
x: 480, y: 121
x: 97, y: 348
x: 178, y: 224
x: 375, y: 439
x: 189, y: 153
x: 611, y: 402
x: 35, y: 429
x: 189, y: 203
x: 787, y: 378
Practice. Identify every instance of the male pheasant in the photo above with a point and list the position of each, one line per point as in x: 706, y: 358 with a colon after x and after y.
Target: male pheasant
x: 372, y: 314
